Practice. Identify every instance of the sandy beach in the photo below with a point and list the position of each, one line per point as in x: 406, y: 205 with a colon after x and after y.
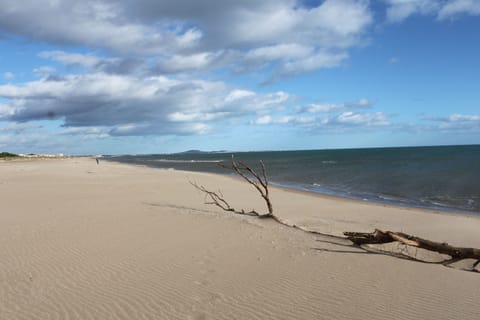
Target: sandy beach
x: 113, y: 241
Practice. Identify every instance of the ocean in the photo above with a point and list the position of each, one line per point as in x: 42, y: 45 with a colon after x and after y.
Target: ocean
x: 440, y: 178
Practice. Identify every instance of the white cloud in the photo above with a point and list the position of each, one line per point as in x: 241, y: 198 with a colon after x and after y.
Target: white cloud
x: 310, y: 63
x: 93, y: 62
x: 283, y: 37
x: 457, y: 7
x: 238, y: 94
x: 264, y: 120
x: 332, y: 107
x: 363, y: 119
x: 333, y: 117
x: 284, y: 51
x: 329, y: 117
x: 182, y: 63
x: 5, y: 110
x: 8, y: 75
x: 292, y: 120
x: 463, y: 117
x: 133, y: 105
x: 455, y: 123
x: 17, y: 128
x: 341, y: 17
x: 104, y: 24
x: 399, y: 10
x: 43, y: 71
x: 316, y: 108
x: 86, y: 132
x: 195, y: 117
x: 191, y: 35
x: 85, y: 60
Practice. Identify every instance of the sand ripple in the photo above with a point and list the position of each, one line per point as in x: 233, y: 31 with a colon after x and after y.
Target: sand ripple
x: 89, y: 246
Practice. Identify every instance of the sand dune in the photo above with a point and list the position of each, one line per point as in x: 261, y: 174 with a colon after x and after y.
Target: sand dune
x: 111, y: 241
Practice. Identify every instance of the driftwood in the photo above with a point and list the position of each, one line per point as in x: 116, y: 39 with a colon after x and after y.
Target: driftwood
x: 217, y: 199
x: 260, y: 182
x: 381, y: 237
x: 358, y: 239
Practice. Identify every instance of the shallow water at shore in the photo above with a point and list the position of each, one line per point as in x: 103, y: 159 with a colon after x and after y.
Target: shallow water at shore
x: 441, y: 178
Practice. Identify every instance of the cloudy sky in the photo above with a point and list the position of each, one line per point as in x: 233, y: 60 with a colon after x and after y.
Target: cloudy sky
x: 154, y: 76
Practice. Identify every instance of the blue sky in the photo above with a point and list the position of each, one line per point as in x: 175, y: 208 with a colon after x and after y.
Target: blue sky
x: 114, y: 77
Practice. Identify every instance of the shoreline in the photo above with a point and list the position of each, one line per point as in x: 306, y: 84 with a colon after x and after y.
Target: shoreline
x: 339, y: 197
x: 382, y: 203
x: 383, y: 218
x: 436, y: 178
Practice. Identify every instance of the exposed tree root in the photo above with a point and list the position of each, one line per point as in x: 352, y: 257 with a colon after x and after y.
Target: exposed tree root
x: 379, y: 237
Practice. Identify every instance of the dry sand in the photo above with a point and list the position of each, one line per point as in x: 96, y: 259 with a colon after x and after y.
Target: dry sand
x: 111, y: 241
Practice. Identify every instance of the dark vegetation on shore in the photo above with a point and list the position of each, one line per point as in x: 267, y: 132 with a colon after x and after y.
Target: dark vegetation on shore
x: 7, y: 155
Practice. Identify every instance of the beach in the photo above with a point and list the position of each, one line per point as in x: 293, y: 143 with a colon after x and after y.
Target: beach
x: 81, y: 240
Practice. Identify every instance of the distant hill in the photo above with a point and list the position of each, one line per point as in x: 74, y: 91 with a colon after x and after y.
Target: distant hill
x: 200, y: 152
x: 192, y: 151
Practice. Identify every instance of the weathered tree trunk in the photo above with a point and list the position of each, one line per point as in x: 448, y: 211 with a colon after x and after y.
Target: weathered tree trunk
x: 379, y: 236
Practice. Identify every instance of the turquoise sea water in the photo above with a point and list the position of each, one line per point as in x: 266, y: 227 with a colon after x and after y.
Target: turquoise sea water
x: 445, y: 178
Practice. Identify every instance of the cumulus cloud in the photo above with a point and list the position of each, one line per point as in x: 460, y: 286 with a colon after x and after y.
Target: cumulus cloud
x: 292, y: 120
x: 104, y: 24
x: 195, y: 34
x: 8, y: 75
x: 340, y: 122
x: 16, y: 136
x: 286, y: 37
x: 265, y: 22
x: 335, y: 107
x: 190, y: 62
x: 43, y: 71
x: 330, y: 117
x: 362, y: 119
x: 91, y: 61
x: 5, y: 110
x: 458, y: 7
x: 455, y: 123
x: 133, y: 105
x: 283, y: 51
x: 85, y: 60
x: 86, y: 132
x: 399, y: 10
x: 17, y: 128
x: 317, y: 61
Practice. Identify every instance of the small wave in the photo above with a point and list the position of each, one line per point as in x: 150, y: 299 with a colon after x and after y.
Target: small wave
x: 439, y: 204
x: 391, y: 198
x: 186, y: 161
x: 329, y: 162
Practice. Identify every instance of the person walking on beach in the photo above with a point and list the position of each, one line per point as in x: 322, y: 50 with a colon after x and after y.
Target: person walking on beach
x: 96, y: 159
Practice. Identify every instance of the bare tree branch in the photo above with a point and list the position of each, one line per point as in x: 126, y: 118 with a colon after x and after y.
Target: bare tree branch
x: 252, y: 177
x: 218, y: 200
